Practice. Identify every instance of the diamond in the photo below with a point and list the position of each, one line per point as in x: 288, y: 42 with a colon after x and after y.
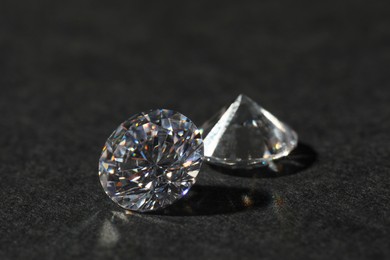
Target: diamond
x: 245, y: 135
x: 151, y: 160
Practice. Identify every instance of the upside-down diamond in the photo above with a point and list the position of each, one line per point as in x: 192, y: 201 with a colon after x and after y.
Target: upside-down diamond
x: 246, y: 135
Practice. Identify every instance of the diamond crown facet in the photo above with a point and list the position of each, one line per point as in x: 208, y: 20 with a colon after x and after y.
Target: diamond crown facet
x: 151, y: 160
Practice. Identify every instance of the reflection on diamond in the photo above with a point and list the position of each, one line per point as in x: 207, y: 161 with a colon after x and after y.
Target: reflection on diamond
x: 245, y: 135
x: 151, y: 160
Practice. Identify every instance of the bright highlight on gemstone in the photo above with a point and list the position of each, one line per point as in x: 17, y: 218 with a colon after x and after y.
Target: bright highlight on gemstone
x: 245, y: 135
x: 151, y: 160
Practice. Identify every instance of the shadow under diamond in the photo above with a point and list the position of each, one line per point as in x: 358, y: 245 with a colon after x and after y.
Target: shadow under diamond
x: 213, y: 200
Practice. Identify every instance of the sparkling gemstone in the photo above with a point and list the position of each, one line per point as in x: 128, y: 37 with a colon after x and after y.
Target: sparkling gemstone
x: 151, y: 160
x: 245, y: 135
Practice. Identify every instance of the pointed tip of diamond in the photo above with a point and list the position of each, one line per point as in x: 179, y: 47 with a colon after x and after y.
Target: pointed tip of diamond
x: 239, y: 97
x: 245, y: 100
x: 246, y: 135
x: 242, y: 97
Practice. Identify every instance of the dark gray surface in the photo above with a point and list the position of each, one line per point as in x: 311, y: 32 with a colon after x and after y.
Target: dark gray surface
x: 71, y: 72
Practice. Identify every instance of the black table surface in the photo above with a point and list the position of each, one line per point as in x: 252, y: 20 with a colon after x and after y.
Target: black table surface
x: 71, y: 71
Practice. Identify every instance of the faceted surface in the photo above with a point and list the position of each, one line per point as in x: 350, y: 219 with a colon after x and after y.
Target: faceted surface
x: 151, y: 160
x: 245, y: 135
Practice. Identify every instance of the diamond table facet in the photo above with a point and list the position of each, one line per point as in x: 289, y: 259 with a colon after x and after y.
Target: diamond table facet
x: 245, y: 135
x: 151, y: 160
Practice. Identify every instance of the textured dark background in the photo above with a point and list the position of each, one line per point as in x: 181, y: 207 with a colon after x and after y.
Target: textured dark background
x: 71, y: 71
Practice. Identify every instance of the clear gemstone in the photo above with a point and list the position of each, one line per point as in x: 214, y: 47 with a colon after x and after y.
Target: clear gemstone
x: 151, y: 160
x: 245, y: 135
